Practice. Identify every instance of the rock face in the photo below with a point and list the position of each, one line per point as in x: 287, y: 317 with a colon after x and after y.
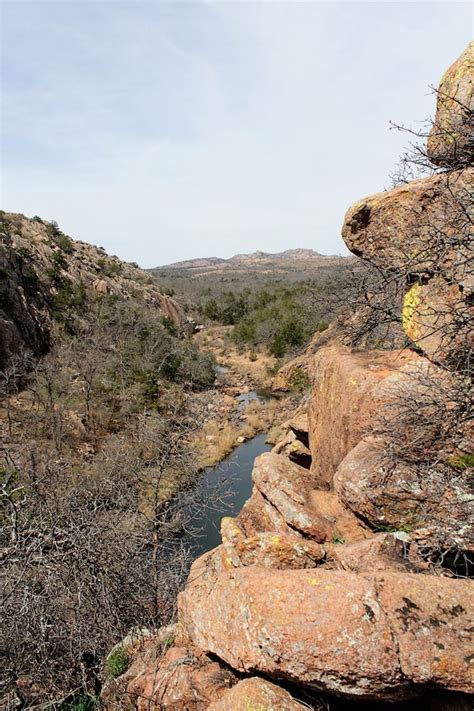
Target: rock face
x: 437, y: 318
x: 255, y: 693
x: 391, y: 493
x: 267, y: 550
x: 355, y: 635
x: 348, y: 575
x: 24, y: 319
x: 423, y: 230
x: 38, y: 262
x: 400, y: 228
x: 349, y: 389
x: 451, y: 140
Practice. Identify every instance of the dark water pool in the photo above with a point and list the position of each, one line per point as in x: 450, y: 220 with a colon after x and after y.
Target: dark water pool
x: 225, y: 488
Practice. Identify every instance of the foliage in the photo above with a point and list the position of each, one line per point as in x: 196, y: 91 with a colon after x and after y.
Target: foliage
x: 61, y: 241
x: 117, y: 662
x: 280, y: 318
x: 108, y: 267
x: 299, y: 379
x: 90, y: 550
x: 69, y: 302
x: 80, y: 703
x: 58, y: 265
x: 463, y: 461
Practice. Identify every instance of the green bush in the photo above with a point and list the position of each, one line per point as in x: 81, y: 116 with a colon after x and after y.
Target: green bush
x: 69, y: 302
x: 80, y: 703
x: 58, y: 238
x: 58, y: 265
x: 299, y: 380
x: 170, y: 325
x: 31, y: 282
x: 463, y: 461
x: 109, y: 268
x: 117, y: 662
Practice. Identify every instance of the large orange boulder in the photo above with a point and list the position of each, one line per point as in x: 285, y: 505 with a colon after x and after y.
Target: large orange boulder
x: 287, y: 486
x: 394, y: 494
x: 418, y: 227
x: 348, y: 393
x: 371, y: 636
x: 438, y: 320
x: 451, y: 140
x: 256, y: 694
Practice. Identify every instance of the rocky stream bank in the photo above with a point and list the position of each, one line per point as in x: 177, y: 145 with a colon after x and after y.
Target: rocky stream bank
x: 344, y: 580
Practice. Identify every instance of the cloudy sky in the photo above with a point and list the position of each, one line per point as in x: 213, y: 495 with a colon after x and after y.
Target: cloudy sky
x: 171, y: 130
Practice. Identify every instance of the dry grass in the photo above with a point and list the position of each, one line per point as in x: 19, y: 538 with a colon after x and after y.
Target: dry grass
x: 212, y: 451
x: 258, y: 418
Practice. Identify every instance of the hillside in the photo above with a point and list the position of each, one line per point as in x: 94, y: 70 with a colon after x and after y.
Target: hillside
x: 297, y: 258
x: 274, y: 301
x: 48, y: 277
x: 109, y: 409
x: 326, y: 563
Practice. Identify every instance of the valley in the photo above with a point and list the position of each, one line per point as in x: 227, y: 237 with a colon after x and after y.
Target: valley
x: 246, y: 483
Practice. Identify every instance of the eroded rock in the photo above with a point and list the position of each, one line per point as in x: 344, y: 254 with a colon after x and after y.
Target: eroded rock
x: 268, y: 550
x: 415, y: 227
x: 451, y: 139
x: 347, y: 395
x: 286, y: 486
x: 437, y: 318
x: 382, y: 636
x: 256, y: 694
x: 394, y: 494
x: 382, y: 552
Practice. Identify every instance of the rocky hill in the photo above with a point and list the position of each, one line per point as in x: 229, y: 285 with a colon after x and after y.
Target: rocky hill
x: 47, y: 277
x: 344, y: 579
x: 296, y: 257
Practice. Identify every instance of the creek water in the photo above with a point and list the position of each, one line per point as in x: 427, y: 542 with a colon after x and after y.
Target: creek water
x: 225, y: 488
x: 246, y: 398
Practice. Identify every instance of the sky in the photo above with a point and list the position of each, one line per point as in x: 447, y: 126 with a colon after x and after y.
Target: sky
x: 171, y: 130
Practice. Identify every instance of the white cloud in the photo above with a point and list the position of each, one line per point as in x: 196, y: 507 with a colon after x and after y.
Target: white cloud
x: 220, y: 128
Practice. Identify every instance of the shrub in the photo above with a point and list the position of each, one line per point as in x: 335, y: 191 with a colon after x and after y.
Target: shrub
x: 117, y: 662
x: 170, y: 325
x: 58, y: 238
x: 31, y: 281
x: 58, y: 265
x: 109, y: 268
x: 299, y: 379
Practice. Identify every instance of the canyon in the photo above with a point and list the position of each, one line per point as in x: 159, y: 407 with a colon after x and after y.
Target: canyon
x: 336, y: 572
x: 344, y: 579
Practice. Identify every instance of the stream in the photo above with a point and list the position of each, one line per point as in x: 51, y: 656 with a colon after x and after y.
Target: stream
x: 231, y: 479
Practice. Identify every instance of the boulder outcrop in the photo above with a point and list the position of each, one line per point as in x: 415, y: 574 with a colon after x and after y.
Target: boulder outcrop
x: 349, y: 390
x: 451, y: 139
x: 349, y: 575
x: 256, y: 693
x: 383, y: 635
x: 422, y: 231
x: 396, y: 495
x: 414, y: 226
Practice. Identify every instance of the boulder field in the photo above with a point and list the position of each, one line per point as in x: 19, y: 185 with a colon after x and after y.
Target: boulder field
x: 345, y: 577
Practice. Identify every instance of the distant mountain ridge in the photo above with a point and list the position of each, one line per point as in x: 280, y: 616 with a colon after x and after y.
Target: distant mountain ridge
x: 254, y: 258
